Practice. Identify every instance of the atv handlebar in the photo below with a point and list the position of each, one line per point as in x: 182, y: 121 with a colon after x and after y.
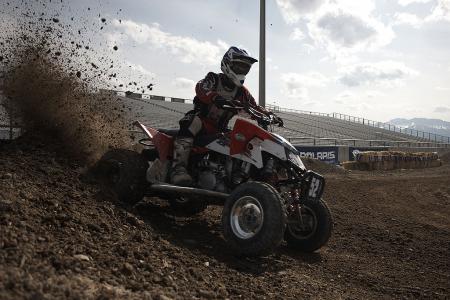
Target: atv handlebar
x: 231, y: 107
x: 262, y: 119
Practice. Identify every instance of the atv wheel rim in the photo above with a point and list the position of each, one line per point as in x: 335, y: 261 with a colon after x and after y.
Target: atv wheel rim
x: 247, y: 217
x: 305, y: 228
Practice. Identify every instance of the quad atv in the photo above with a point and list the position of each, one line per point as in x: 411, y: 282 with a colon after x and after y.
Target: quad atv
x: 258, y: 176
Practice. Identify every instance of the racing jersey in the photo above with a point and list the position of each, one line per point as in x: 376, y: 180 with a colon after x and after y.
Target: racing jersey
x: 214, y: 85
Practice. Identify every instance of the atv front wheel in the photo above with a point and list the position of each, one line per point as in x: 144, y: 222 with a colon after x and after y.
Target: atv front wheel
x: 312, y: 230
x: 124, y: 172
x: 254, y: 219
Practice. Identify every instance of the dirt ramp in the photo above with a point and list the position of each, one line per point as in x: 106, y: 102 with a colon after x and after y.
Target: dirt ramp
x: 54, y: 225
x: 446, y: 157
x: 62, y: 238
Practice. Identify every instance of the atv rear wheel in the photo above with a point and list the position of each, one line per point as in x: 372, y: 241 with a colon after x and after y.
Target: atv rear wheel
x: 124, y: 172
x: 312, y: 230
x: 254, y: 219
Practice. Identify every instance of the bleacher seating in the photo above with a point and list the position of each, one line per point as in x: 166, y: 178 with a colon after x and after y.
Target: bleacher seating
x: 302, y: 127
x: 299, y: 127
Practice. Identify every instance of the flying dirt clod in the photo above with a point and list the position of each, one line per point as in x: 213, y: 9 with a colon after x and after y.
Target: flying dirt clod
x: 44, y: 87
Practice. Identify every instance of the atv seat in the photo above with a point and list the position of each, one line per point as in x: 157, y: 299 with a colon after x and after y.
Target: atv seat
x: 200, y: 141
x: 169, y: 132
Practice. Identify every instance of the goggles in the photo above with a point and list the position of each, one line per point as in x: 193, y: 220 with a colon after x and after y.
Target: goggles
x: 240, y: 68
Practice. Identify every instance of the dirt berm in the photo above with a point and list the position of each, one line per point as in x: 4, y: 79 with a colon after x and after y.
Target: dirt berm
x: 60, y: 237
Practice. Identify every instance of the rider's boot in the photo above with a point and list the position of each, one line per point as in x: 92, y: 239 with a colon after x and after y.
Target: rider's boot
x: 182, y: 148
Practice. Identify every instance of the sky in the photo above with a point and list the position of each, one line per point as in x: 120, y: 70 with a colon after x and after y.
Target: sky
x: 377, y: 59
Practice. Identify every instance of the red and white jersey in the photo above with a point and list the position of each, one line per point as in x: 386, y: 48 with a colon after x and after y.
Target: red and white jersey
x: 209, y: 88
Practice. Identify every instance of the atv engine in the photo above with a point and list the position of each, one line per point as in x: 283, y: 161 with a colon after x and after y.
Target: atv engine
x: 211, y: 175
x: 216, y: 175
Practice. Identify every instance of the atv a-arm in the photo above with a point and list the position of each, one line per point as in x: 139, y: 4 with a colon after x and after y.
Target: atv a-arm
x: 212, y: 197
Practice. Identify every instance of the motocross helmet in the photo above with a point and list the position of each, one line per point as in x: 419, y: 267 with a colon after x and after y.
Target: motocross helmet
x: 236, y: 63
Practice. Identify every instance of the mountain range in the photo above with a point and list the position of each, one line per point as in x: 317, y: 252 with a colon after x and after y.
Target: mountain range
x: 435, y: 126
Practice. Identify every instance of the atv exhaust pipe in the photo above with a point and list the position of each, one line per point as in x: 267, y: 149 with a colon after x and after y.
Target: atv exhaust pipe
x: 212, y: 197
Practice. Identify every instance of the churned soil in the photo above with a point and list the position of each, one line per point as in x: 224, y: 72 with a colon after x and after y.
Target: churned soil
x: 322, y: 167
x: 445, y: 157
x: 62, y: 238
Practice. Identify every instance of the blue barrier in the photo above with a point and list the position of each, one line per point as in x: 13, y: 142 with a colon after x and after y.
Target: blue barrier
x: 325, y: 154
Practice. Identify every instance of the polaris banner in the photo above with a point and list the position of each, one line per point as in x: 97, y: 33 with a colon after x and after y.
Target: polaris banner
x: 352, y: 151
x: 325, y: 154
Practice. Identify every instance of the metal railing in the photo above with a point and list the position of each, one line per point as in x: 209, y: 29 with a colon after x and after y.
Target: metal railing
x: 137, y: 96
x: 390, y: 127
x: 315, y: 141
x: 276, y: 108
x: 382, y: 125
x: 8, y: 129
x: 8, y: 132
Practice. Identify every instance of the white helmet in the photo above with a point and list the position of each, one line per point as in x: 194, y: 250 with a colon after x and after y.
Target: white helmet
x: 236, y: 63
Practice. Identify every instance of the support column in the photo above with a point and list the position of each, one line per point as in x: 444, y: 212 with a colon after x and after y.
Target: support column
x: 262, y: 53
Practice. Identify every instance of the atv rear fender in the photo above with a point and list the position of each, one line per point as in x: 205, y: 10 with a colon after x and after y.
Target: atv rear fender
x: 163, y: 142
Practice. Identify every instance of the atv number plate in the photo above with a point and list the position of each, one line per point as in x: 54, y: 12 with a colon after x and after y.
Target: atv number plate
x: 314, y: 186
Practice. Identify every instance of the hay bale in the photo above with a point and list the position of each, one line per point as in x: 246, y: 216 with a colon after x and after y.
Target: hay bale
x: 390, y: 160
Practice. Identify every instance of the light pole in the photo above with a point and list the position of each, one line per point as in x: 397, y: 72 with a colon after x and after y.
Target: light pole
x: 262, y: 53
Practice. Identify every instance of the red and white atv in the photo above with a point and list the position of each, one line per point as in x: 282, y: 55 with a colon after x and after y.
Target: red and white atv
x: 258, y: 176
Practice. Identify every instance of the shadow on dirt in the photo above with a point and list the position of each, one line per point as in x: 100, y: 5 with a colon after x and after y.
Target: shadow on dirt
x: 201, y: 234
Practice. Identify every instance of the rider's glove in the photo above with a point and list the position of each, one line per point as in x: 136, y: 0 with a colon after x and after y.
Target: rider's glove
x: 276, y: 119
x: 279, y: 121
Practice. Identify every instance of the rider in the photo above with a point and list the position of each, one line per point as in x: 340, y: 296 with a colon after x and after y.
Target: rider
x: 209, y: 116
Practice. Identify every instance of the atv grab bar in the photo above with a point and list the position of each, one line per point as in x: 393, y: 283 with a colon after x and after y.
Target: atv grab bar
x: 144, y: 128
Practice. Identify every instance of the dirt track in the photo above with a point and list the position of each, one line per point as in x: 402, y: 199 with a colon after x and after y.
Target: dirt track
x: 62, y: 238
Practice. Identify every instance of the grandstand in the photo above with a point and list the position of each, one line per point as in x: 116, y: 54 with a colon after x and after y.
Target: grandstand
x: 330, y: 137
x: 301, y: 127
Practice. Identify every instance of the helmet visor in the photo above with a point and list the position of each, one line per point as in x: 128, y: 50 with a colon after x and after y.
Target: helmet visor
x: 240, y: 68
